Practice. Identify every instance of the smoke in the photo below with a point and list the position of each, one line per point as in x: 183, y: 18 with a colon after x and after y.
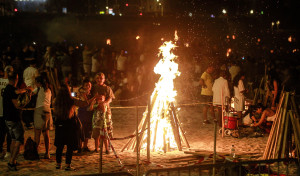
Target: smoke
x: 63, y: 28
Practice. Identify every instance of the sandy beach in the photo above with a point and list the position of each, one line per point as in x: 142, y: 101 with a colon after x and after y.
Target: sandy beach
x: 199, y: 136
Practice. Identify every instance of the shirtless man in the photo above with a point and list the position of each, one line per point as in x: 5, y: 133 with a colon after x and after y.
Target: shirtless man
x: 265, y: 113
x: 262, y: 122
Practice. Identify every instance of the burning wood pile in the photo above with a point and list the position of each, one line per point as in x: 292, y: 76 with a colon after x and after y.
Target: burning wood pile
x: 284, y: 138
x: 160, y: 128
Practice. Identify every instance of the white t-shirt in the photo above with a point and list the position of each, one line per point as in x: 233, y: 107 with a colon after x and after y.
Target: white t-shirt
x: 220, y: 91
x: 239, y: 89
x: 239, y: 98
x: 43, y: 98
x: 29, y: 75
x: 3, y: 83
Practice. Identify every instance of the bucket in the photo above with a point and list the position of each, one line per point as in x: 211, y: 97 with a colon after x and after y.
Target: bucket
x: 230, y: 121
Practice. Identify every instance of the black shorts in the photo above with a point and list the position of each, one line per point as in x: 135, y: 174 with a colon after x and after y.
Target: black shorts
x: 16, y: 131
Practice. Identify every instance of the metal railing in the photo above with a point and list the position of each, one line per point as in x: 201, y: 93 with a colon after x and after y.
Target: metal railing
x: 247, y: 168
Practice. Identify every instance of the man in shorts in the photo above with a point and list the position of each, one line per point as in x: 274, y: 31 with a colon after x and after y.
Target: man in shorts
x: 12, y: 118
x: 206, y: 82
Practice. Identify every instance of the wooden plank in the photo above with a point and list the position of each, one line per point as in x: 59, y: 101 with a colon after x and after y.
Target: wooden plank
x: 294, y: 107
x: 273, y: 129
x: 131, y: 139
x: 175, y: 128
x: 155, y: 132
x: 272, y: 146
x: 279, y: 142
x: 297, y: 137
x: 285, y: 134
x: 181, y: 133
x: 149, y: 129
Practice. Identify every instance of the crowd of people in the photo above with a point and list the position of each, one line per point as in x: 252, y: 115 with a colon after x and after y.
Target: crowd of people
x: 72, y: 87
x: 126, y: 72
x: 93, y: 117
x: 227, y: 89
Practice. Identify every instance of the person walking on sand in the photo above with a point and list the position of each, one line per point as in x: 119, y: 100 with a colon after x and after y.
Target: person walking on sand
x: 220, y: 92
x: 66, y: 126
x: 12, y: 118
x: 206, y: 82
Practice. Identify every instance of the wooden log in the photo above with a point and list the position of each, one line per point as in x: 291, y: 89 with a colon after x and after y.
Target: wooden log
x: 297, y: 125
x: 132, y: 143
x: 131, y: 139
x: 285, y: 134
x: 273, y: 129
x: 279, y: 142
x: 175, y: 128
x: 296, y: 135
x: 142, y: 125
x: 145, y: 124
x: 274, y: 134
x: 277, y: 132
x: 274, y: 137
x: 181, y: 132
x: 127, y: 143
x: 273, y: 147
x: 155, y: 132
x: 294, y: 107
x: 149, y: 129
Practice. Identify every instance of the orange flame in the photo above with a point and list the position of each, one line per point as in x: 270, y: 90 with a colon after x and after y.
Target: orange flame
x: 161, y: 98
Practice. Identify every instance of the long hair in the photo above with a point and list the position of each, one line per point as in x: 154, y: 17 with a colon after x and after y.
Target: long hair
x: 237, y: 78
x: 63, y: 103
x: 43, y: 81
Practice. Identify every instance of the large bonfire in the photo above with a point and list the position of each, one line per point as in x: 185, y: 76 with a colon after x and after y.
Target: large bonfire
x: 165, y: 130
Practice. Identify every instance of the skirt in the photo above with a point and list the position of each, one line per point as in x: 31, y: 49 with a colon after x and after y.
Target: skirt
x: 42, y: 118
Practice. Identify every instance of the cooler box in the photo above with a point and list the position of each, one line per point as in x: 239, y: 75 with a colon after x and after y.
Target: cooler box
x: 230, y: 121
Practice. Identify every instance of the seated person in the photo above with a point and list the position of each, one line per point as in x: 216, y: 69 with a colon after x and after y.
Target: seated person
x: 263, y: 122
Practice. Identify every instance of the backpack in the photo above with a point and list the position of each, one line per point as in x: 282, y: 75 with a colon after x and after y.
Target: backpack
x: 30, y: 150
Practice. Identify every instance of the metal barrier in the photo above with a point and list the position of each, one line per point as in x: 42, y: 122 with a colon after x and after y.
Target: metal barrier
x: 112, y: 174
x: 245, y: 168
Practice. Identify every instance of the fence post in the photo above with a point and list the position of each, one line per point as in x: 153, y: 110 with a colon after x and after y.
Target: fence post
x: 148, y: 130
x: 137, y: 142
x: 215, y: 146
